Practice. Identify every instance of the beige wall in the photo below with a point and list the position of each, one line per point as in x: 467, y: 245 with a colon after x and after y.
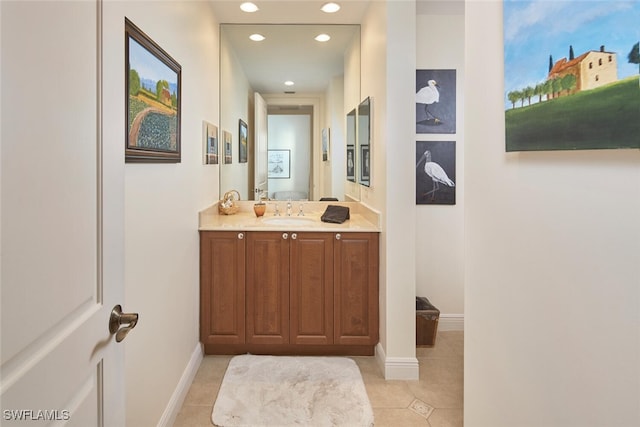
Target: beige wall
x: 388, y: 77
x: 440, y: 228
x: 162, y: 201
x: 552, y: 292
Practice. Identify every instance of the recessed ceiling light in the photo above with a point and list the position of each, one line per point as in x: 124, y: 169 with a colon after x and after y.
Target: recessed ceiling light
x: 248, y: 7
x: 257, y: 37
x: 289, y: 83
x: 330, y: 7
x: 323, y: 37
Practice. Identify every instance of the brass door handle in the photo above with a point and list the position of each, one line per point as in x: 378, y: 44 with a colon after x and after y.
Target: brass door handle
x: 118, y: 318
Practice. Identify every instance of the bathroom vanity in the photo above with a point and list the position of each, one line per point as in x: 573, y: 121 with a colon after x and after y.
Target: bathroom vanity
x: 289, y: 284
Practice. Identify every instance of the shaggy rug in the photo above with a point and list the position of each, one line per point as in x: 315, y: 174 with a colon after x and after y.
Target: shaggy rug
x: 292, y: 391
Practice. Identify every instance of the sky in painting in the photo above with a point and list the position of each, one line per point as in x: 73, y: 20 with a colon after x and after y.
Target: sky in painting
x: 147, y: 65
x: 533, y: 30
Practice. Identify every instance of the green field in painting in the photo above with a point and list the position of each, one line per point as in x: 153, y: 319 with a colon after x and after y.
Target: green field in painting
x: 606, y: 117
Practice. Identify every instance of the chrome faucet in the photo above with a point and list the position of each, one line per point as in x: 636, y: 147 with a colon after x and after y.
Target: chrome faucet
x: 276, y: 211
x: 300, y: 213
x: 289, y: 207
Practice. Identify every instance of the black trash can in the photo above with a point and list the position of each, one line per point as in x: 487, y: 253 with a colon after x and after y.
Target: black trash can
x: 427, y: 317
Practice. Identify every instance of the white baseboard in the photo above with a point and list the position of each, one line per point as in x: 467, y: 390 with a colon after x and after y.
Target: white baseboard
x: 177, y: 398
x: 397, y: 368
x: 451, y: 322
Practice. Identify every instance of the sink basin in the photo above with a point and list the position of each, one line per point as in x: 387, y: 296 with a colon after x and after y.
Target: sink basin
x: 288, y: 220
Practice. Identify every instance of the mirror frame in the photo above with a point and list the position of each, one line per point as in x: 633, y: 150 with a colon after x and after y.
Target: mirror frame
x: 351, y: 133
x: 363, y: 135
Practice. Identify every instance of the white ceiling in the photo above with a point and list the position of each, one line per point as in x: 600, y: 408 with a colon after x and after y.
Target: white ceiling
x: 289, y: 12
x: 290, y: 51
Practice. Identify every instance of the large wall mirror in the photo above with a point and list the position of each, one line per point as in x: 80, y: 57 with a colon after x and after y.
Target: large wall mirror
x: 325, y: 77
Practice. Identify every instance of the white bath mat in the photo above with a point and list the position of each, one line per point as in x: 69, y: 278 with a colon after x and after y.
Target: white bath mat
x: 292, y: 391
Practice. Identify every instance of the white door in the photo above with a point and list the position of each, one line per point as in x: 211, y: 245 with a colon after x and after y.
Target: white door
x: 61, y: 221
x: 261, y: 145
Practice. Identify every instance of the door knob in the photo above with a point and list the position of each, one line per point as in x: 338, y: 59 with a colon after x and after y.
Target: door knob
x: 118, y: 318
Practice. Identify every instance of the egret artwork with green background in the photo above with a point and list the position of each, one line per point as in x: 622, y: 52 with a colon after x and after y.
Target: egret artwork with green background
x: 571, y: 75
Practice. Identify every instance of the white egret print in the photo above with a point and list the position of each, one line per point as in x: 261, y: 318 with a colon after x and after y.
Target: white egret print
x: 435, y: 101
x: 435, y: 172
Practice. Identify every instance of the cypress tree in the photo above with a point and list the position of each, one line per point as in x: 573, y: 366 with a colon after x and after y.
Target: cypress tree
x: 571, y: 55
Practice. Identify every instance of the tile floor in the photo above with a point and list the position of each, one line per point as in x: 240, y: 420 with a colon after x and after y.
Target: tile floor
x: 435, y: 400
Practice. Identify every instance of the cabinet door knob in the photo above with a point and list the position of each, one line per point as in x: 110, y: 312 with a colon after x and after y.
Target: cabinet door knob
x: 294, y: 236
x: 240, y: 236
x: 285, y: 236
x: 338, y: 236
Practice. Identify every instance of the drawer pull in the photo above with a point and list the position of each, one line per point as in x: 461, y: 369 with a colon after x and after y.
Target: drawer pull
x: 338, y: 236
x: 240, y: 236
x: 285, y: 236
x: 294, y: 236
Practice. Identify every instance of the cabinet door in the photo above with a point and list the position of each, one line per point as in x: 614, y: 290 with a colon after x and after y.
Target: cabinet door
x: 222, y: 285
x: 356, y: 288
x: 311, y: 311
x: 267, y: 287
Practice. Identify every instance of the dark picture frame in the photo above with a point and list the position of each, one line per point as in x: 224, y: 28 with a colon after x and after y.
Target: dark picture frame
x: 279, y: 164
x: 436, y: 101
x: 153, y: 81
x: 243, y: 141
x: 365, y: 165
x: 351, y: 163
x: 435, y: 173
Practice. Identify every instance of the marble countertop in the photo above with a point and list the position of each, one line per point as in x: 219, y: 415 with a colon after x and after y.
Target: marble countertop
x: 362, y: 218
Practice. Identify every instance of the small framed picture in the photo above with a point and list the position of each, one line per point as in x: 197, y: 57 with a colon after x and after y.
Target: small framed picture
x: 351, y: 163
x: 365, y: 165
x: 210, y: 136
x: 228, y: 153
x: 279, y: 163
x: 243, y: 138
x: 325, y: 144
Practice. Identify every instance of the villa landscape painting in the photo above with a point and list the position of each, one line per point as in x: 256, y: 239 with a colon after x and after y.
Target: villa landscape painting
x: 153, y: 100
x: 571, y: 75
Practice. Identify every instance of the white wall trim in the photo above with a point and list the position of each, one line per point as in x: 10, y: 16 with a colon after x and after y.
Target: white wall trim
x: 397, y: 368
x: 451, y: 322
x: 177, y: 398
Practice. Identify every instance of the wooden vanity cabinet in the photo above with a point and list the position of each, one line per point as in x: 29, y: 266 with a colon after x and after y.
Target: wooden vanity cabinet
x: 222, y: 287
x: 267, y: 288
x: 298, y: 293
x: 311, y: 288
x: 355, y: 288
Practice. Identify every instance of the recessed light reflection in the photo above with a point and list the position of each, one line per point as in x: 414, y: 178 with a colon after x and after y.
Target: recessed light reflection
x: 248, y: 7
x: 289, y: 83
x: 257, y: 37
x: 323, y: 37
x: 330, y: 7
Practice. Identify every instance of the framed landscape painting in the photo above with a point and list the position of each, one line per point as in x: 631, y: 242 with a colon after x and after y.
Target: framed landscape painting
x: 571, y: 83
x: 152, y: 88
